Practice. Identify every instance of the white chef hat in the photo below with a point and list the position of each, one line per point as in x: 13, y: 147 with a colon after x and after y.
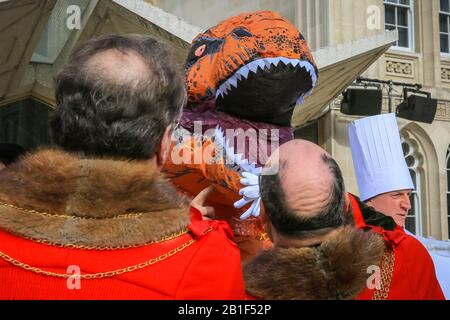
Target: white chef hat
x: 377, y: 153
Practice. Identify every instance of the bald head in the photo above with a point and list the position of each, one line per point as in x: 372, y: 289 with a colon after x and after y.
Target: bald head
x: 310, y: 188
x: 118, y: 67
x: 306, y: 179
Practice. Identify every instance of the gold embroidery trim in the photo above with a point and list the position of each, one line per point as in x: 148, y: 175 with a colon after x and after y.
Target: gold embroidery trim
x: 387, y: 270
x: 54, y: 215
x: 86, y: 247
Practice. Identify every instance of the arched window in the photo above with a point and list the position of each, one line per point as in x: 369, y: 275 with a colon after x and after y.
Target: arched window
x: 448, y: 190
x: 414, y: 218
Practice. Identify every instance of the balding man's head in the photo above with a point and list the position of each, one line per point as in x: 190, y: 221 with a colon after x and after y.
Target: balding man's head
x: 307, y: 194
x: 117, y: 96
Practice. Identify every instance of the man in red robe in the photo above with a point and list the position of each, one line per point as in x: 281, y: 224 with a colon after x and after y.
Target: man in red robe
x: 97, y: 219
x: 407, y: 270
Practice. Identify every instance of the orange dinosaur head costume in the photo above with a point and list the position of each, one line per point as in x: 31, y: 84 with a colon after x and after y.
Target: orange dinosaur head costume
x: 255, y: 66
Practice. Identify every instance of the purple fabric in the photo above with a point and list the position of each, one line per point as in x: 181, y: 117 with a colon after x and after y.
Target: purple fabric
x: 266, y: 140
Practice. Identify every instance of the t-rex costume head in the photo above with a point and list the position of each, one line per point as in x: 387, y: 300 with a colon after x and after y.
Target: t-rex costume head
x: 255, y: 66
x: 248, y: 72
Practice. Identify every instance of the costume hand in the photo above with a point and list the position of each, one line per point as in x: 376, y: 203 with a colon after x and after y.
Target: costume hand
x: 250, y: 193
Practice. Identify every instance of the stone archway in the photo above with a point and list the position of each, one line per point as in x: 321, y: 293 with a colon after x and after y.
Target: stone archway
x: 428, y: 168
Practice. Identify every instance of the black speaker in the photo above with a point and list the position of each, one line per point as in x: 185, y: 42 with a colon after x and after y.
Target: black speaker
x: 418, y: 108
x: 362, y: 102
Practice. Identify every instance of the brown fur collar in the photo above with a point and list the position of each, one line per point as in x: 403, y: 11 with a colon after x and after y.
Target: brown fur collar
x: 334, y: 270
x: 97, y: 191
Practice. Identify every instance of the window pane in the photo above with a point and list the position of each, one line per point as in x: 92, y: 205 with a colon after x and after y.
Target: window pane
x: 56, y: 33
x: 444, y: 43
x: 405, y: 148
x: 443, y: 25
x: 448, y: 158
x: 410, y: 161
x: 413, y: 177
x: 389, y: 15
x: 412, y: 211
x: 403, y: 39
x: 445, y: 5
x: 25, y: 123
x: 448, y: 180
x: 448, y: 205
x: 402, y: 17
x: 404, y: 2
x: 410, y: 224
x: 448, y: 227
x: 448, y: 212
x: 389, y: 27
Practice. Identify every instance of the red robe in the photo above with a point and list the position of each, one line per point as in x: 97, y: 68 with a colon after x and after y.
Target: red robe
x: 185, y: 275
x: 413, y: 276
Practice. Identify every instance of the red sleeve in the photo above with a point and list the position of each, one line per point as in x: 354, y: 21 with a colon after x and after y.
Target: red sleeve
x: 215, y: 270
x: 420, y: 267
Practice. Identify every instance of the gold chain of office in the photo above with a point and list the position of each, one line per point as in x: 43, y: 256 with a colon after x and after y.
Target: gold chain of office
x: 387, y: 270
x: 100, y: 275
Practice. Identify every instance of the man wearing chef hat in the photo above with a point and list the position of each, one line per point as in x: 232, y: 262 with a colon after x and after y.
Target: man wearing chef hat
x: 385, y: 184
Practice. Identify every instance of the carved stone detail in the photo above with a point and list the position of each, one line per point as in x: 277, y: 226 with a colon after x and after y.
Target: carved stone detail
x: 445, y: 73
x: 400, y: 68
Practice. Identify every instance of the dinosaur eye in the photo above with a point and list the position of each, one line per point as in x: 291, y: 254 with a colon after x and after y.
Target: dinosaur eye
x: 202, y: 48
x: 241, y: 32
x: 199, y: 51
x: 195, y: 53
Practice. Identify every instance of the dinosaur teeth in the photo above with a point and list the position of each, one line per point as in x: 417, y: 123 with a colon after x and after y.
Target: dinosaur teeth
x: 286, y: 61
x: 264, y: 63
x: 261, y: 63
x: 253, y: 67
x: 274, y: 61
x: 294, y: 62
x: 244, y: 72
x: 233, y: 82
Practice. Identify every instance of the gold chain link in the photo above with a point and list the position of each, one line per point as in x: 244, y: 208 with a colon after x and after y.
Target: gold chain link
x: 264, y: 237
x: 86, y: 247
x: 387, y: 270
x: 99, y: 275
x: 54, y: 215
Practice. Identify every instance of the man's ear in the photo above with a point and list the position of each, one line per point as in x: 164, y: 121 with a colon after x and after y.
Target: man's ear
x: 164, y: 146
x: 347, y: 202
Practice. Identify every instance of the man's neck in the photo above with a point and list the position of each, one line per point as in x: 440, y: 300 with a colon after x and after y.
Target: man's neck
x: 281, y: 241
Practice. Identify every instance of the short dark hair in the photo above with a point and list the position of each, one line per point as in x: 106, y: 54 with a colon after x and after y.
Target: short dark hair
x: 101, y: 117
x: 287, y: 222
